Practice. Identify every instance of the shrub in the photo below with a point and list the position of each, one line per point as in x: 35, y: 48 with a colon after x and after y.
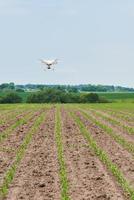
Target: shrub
x: 103, y: 100
x: 53, y: 96
x: 11, y: 97
x: 19, y: 90
x: 58, y: 96
x: 46, y: 96
x: 89, y: 98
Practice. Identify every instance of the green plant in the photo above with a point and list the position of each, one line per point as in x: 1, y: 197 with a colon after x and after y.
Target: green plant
x: 63, y: 173
x: 130, y: 130
x: 19, y: 155
x: 104, y: 157
x: 127, y: 145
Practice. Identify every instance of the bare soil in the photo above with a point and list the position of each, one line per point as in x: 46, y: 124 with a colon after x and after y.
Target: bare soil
x: 9, y: 146
x: 123, y: 159
x: 37, y: 175
x: 120, y: 116
x: 88, y: 178
x: 118, y: 129
x: 10, y: 122
x: 115, y: 116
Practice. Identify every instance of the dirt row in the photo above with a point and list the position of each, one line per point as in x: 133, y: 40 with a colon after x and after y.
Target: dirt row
x: 120, y: 156
x: 37, y: 175
x: 88, y: 178
x: 123, y: 117
x: 4, y: 113
x: 128, y: 113
x: 117, y: 129
x: 121, y: 121
x: 13, y: 119
x: 9, y: 146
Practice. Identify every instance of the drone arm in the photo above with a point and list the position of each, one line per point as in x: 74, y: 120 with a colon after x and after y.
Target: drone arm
x: 42, y: 61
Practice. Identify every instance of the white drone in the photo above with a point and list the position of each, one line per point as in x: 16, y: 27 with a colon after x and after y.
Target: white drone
x: 49, y: 63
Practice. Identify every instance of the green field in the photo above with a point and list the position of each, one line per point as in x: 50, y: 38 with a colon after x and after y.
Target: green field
x: 118, y: 96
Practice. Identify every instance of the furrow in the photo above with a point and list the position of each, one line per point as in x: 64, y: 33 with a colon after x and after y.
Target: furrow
x: 103, y: 156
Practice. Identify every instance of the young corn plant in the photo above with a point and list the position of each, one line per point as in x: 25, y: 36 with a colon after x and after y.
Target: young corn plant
x: 19, y: 155
x: 102, y: 155
x: 119, y: 139
x: 18, y: 123
x: 120, y: 115
x: 129, y: 129
x: 60, y: 151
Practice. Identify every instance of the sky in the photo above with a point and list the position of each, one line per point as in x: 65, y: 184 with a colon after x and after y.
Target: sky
x: 93, y: 40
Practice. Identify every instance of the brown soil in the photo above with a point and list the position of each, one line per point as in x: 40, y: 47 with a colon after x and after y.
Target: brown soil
x: 117, y: 153
x: 9, y: 146
x: 117, y: 129
x: 4, y: 113
x: 10, y: 122
x: 37, y: 175
x: 88, y: 177
x: 124, y: 122
x: 128, y: 113
x: 123, y: 117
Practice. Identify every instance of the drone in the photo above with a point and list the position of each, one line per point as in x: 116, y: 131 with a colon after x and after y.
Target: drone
x: 49, y: 63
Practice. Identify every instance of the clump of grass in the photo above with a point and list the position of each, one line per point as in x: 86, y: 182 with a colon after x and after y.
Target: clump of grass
x: 62, y: 172
x: 104, y: 158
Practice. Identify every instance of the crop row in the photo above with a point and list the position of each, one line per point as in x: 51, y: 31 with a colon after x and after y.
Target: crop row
x: 60, y: 151
x: 129, y: 130
x: 63, y: 176
x: 119, y: 139
x: 19, y: 155
x: 102, y: 155
x: 120, y: 115
x: 17, y: 123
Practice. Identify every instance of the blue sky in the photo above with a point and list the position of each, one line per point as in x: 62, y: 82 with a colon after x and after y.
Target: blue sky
x: 94, y: 40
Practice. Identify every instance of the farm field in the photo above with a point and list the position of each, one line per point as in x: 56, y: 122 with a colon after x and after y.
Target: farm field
x: 67, y: 152
x: 118, y: 96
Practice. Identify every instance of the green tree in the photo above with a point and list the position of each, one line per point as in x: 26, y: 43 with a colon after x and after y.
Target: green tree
x: 90, y: 98
x: 11, y: 97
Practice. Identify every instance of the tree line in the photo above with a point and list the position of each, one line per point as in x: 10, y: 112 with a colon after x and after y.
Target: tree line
x: 51, y: 95
x: 69, y: 88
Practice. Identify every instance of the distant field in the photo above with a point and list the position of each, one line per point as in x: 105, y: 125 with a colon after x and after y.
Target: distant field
x: 117, y: 96
x: 67, y: 151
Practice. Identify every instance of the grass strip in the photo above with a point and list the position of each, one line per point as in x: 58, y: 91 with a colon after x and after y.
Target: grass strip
x: 104, y: 157
x: 119, y: 139
x: 130, y: 130
x: 19, y: 155
x: 62, y: 173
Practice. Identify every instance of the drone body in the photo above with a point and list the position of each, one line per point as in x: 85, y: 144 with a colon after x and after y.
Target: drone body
x: 49, y: 63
